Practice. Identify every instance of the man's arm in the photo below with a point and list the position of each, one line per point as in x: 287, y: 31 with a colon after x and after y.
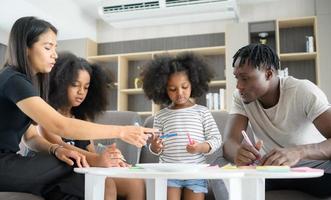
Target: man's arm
x: 318, y: 151
x: 234, y: 150
x: 321, y: 151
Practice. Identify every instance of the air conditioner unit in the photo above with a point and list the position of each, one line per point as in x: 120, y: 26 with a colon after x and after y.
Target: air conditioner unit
x: 139, y: 13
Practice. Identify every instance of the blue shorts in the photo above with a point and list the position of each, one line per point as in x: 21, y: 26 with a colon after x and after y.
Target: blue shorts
x: 196, y: 185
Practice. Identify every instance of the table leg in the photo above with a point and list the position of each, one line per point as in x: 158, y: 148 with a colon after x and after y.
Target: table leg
x: 156, y: 189
x: 235, y: 189
x: 94, y: 187
x: 253, y: 188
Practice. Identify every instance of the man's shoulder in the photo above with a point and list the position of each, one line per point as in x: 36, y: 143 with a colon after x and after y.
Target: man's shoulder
x: 290, y: 82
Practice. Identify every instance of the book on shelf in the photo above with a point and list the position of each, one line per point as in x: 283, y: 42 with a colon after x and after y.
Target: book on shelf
x: 216, y: 101
x: 209, y: 101
x: 222, y: 98
x: 282, y: 73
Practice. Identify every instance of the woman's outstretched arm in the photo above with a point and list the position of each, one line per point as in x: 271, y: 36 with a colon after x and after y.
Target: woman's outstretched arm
x: 43, y: 114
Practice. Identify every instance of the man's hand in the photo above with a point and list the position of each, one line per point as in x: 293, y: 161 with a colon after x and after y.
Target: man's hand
x: 71, y: 157
x: 282, y: 156
x: 248, y: 154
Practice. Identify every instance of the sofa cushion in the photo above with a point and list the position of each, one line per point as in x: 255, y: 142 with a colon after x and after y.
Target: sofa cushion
x: 290, y: 195
x: 19, y: 196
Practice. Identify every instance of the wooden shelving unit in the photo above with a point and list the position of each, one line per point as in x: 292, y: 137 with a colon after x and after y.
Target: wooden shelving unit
x: 288, y: 38
x: 291, y: 47
x: 125, y: 68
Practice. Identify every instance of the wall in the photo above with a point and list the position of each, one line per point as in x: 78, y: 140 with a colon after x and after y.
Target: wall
x: 3, y: 36
x: 108, y: 34
x: 277, y: 10
x: 248, y: 12
x: 236, y: 37
x: 70, y: 20
x: 76, y: 46
x: 323, y: 9
x: 2, y: 54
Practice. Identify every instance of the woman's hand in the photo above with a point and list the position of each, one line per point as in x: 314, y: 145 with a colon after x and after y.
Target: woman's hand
x: 135, y: 135
x: 71, y: 157
x: 156, y: 144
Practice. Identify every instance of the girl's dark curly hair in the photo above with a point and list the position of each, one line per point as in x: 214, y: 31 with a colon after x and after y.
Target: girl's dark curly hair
x: 65, y: 73
x: 157, y: 72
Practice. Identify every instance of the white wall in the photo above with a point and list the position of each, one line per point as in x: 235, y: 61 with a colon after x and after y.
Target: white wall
x: 323, y: 8
x: 71, y: 22
x: 3, y: 36
x: 277, y: 10
x: 107, y: 33
x: 248, y: 12
x: 68, y: 18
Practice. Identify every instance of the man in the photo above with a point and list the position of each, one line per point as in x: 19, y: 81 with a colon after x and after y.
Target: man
x: 292, y: 117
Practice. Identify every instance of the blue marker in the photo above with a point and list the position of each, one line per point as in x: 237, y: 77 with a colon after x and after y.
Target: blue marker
x: 168, y: 135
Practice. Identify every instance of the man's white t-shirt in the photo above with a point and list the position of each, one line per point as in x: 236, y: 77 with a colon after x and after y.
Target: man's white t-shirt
x: 288, y: 123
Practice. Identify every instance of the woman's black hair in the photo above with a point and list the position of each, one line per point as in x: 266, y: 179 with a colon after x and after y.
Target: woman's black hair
x: 24, y: 33
x: 257, y: 55
x: 157, y: 72
x: 65, y: 73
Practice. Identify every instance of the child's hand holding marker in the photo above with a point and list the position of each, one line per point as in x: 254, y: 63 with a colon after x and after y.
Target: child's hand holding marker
x: 156, y: 145
x: 248, y: 153
x: 112, y: 156
x: 192, y: 147
x: 190, y: 141
x: 157, y: 139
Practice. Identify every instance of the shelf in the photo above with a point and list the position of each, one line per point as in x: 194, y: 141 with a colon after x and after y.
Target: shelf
x: 217, y: 111
x: 218, y: 50
x: 221, y: 83
x: 145, y: 113
x: 297, y: 56
x: 298, y: 22
x: 133, y: 91
x: 105, y: 58
x: 137, y: 56
x: 126, y: 66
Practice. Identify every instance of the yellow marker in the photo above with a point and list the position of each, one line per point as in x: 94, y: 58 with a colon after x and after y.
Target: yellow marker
x: 273, y: 168
x: 229, y: 166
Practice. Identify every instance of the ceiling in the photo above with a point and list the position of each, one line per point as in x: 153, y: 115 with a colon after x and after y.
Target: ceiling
x: 74, y: 18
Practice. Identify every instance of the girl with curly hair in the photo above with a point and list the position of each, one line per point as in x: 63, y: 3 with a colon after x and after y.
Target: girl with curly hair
x: 78, y: 89
x: 172, y: 82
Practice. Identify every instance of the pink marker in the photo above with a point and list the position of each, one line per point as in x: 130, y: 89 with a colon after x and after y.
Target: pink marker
x: 248, y: 141
x: 246, y: 138
x: 189, y: 139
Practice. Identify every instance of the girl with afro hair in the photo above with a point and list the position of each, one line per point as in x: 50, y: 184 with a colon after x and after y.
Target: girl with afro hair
x: 78, y: 89
x: 172, y: 82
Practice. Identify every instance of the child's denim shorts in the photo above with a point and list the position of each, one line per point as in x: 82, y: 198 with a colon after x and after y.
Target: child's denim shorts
x: 196, y: 185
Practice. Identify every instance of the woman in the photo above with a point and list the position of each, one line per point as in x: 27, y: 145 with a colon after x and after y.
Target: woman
x: 79, y: 90
x: 31, y: 55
